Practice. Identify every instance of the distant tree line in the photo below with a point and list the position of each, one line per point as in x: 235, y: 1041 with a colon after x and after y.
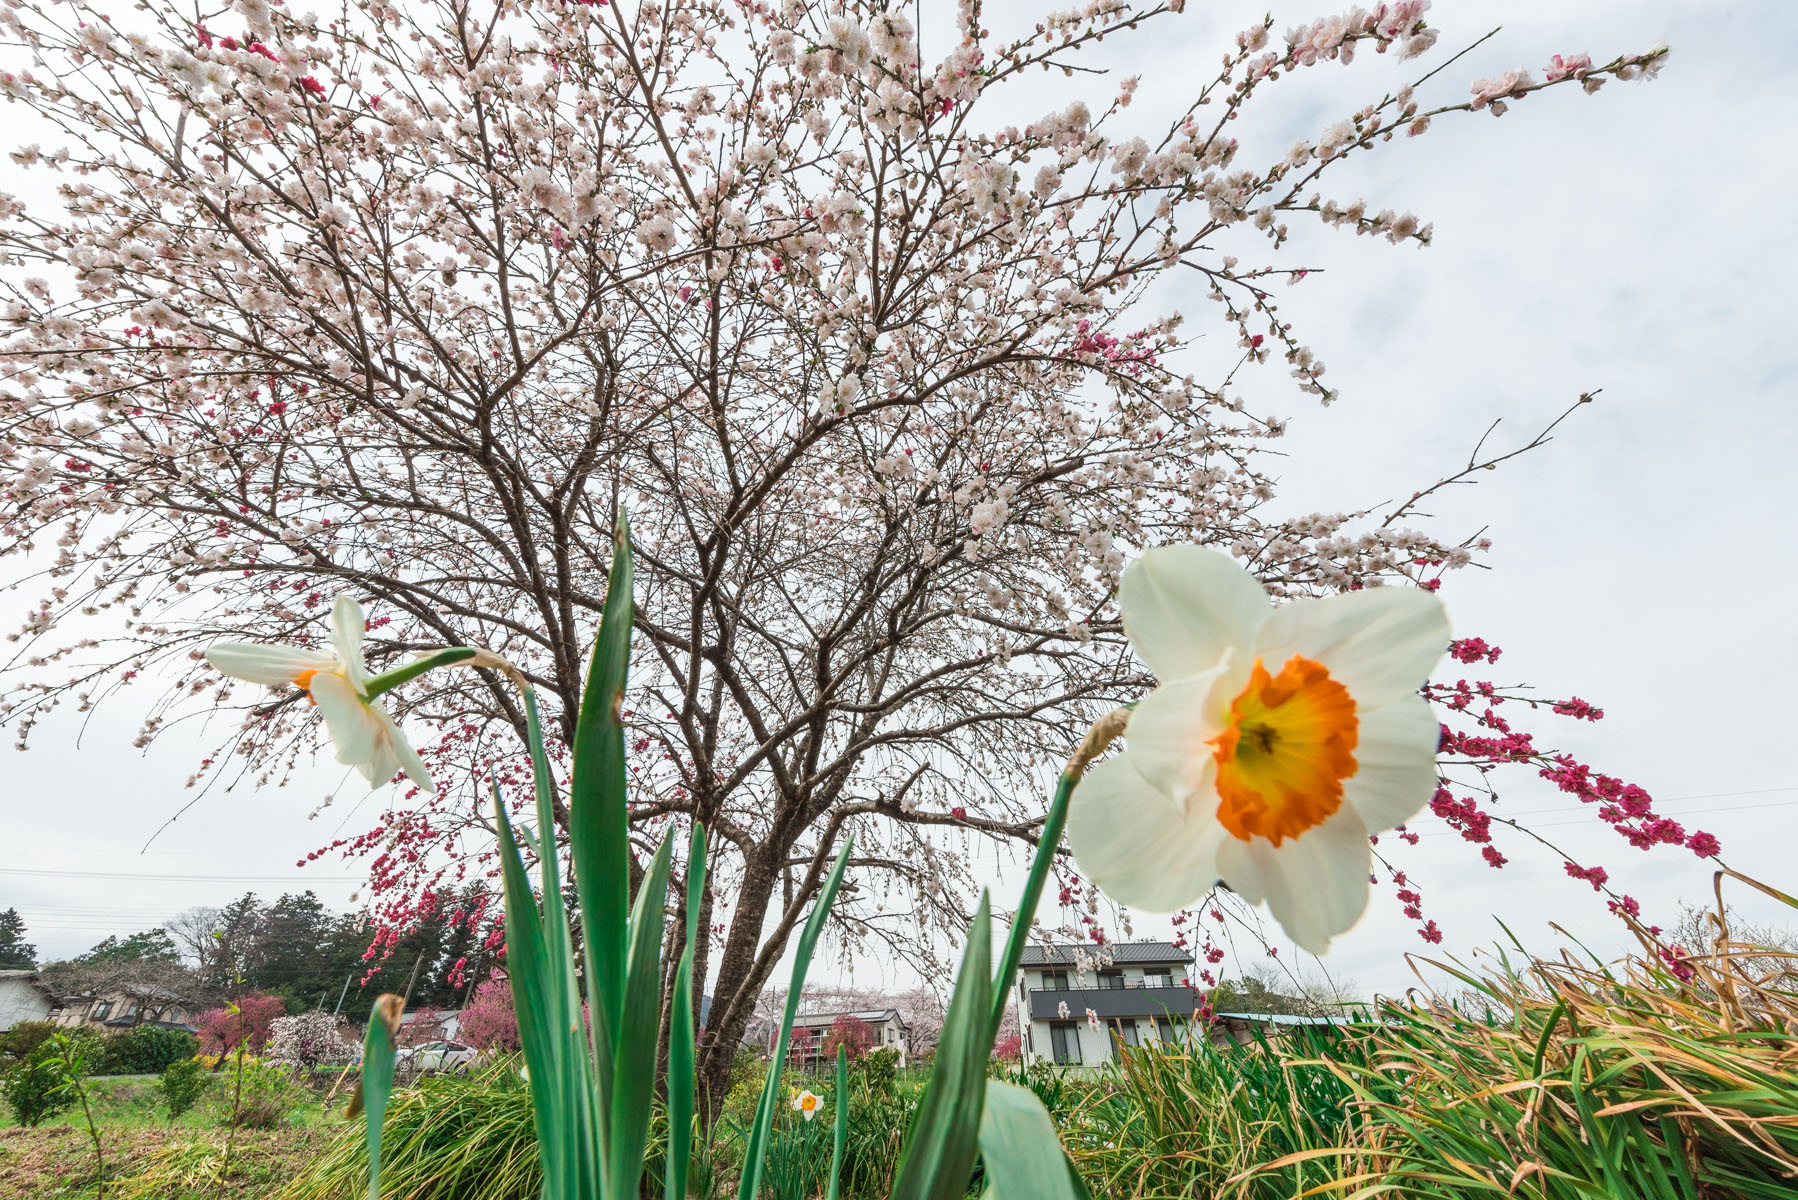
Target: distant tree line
x: 293, y: 947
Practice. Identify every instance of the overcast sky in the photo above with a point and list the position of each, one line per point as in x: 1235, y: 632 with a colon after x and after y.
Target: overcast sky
x: 1639, y: 241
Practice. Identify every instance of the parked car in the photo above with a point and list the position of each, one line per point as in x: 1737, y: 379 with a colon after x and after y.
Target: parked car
x: 435, y: 1056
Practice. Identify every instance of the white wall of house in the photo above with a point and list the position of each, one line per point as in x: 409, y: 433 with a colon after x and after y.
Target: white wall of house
x: 21, y: 1001
x: 1092, y: 1046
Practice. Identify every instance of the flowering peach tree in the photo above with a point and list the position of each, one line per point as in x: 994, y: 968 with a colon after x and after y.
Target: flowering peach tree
x: 407, y: 301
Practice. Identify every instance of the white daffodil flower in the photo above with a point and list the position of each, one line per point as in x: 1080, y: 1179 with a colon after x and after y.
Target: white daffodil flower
x: 807, y: 1104
x: 365, y: 736
x: 1279, y: 739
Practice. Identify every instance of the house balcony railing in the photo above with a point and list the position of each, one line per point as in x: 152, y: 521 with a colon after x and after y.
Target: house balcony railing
x: 1140, y: 1000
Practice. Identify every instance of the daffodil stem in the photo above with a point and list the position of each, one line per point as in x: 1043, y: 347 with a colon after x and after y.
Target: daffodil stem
x: 386, y: 681
x: 1104, y: 731
x: 1046, y: 845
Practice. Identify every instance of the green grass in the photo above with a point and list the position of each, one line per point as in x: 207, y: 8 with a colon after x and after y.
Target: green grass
x: 150, y: 1158
x: 135, y: 1102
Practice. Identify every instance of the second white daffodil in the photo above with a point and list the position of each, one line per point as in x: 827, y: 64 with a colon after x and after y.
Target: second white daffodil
x: 807, y: 1104
x: 1278, y: 740
x: 364, y: 734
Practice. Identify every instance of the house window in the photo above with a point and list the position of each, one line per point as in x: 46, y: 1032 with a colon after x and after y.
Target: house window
x: 1111, y: 979
x: 1064, y: 1039
x: 1055, y: 981
x: 1127, y: 1034
x: 1164, y: 1028
x: 1157, y: 977
x: 101, y: 1011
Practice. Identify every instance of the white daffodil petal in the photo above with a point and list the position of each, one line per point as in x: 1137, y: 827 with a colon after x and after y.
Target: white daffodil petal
x: 1167, y: 738
x: 1395, y: 756
x: 380, y: 766
x: 1185, y: 606
x: 272, y: 665
x: 1380, y: 643
x: 1315, y: 884
x: 354, y: 729
x: 347, y: 625
x: 405, y: 757
x: 1137, y: 844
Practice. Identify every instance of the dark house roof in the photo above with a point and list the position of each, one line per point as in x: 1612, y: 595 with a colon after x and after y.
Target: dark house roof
x: 1116, y: 952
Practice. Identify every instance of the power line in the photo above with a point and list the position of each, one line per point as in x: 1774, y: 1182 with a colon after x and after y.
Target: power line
x: 184, y: 878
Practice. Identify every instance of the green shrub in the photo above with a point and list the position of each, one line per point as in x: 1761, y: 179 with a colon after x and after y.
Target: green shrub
x: 34, y: 1089
x: 182, y: 1084
x: 267, y: 1097
x: 17, y: 1043
x: 876, y: 1072
x: 746, y: 1079
x: 146, y: 1050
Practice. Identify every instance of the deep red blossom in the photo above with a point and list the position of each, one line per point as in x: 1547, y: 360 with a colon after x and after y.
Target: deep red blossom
x: 1596, y: 876
x: 1575, y: 707
x: 1472, y: 650
x: 1704, y: 845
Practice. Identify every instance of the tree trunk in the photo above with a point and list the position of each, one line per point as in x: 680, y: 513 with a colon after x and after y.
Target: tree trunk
x: 738, y: 985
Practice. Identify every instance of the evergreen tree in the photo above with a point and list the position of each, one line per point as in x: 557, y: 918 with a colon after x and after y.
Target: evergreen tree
x: 291, y: 950
x: 235, y: 948
x: 16, y: 954
x: 147, y: 946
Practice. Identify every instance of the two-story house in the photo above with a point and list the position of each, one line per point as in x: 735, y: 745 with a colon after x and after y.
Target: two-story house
x: 812, y: 1030
x: 1137, y: 992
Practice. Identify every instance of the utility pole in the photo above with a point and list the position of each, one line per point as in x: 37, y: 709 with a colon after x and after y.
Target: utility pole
x: 342, y: 994
x: 412, y: 979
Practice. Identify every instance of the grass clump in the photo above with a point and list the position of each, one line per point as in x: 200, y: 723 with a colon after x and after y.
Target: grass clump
x: 1661, y: 1079
x: 447, y: 1138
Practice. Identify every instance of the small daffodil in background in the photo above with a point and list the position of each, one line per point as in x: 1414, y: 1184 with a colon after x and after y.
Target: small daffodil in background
x: 807, y: 1104
x: 1278, y: 740
x: 364, y: 734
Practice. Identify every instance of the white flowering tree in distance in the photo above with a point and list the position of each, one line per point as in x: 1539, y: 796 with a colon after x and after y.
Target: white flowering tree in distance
x: 406, y: 301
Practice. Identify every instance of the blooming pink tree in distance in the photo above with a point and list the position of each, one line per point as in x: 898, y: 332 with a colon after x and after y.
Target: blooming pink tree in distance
x: 488, y: 1021
x: 222, y: 1031
x: 410, y: 301
x: 852, y: 1034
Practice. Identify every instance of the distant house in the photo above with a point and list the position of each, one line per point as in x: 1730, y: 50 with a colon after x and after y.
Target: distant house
x: 812, y: 1030
x: 126, y: 1006
x: 1242, y: 1028
x: 24, y: 996
x: 430, y: 1024
x: 1135, y: 992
